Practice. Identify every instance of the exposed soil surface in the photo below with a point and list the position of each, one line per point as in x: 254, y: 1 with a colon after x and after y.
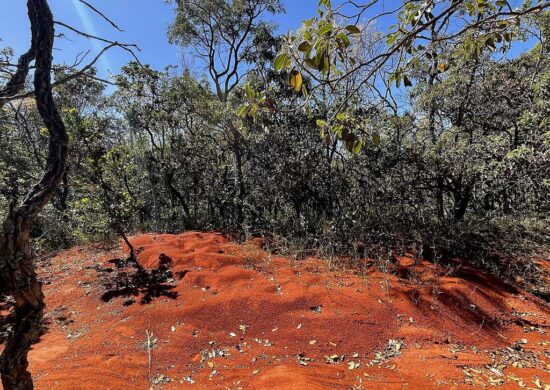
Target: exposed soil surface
x: 208, y: 313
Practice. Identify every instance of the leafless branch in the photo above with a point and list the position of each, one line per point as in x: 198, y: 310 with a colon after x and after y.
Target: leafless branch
x: 101, y: 14
x: 82, y: 72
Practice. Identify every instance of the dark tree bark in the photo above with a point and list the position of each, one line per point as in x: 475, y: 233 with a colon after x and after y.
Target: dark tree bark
x: 17, y: 273
x: 462, y: 194
x: 63, y: 192
x: 169, y: 180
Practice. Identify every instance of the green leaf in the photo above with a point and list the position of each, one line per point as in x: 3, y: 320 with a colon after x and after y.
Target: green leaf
x: 242, y: 111
x: 305, y: 92
x: 325, y: 30
x: 325, y: 66
x: 254, y: 112
x: 325, y: 3
x: 341, y: 116
x: 249, y: 92
x: 344, y: 39
x: 281, y: 62
x: 304, y: 46
x: 353, y: 29
x: 490, y: 43
x: 376, y: 138
x: 321, y: 122
x: 311, y: 62
x: 357, y: 146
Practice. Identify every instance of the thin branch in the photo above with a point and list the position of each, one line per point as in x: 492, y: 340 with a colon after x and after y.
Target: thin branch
x: 126, y: 46
x: 64, y: 80
x: 101, y: 14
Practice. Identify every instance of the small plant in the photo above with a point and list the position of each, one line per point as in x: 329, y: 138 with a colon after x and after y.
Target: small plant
x: 150, y: 344
x: 254, y: 256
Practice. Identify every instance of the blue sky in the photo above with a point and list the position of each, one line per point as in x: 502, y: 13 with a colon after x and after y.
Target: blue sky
x: 144, y: 22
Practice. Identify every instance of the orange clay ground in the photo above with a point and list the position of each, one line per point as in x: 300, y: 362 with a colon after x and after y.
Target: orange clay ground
x: 242, y: 318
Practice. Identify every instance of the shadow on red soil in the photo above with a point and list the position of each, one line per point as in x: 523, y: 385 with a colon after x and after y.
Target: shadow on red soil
x: 225, y: 315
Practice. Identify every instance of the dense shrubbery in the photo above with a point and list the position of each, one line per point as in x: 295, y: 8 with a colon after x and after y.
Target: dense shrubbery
x: 460, y: 169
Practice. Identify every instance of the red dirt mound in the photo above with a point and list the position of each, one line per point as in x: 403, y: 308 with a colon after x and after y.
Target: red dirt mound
x: 230, y: 316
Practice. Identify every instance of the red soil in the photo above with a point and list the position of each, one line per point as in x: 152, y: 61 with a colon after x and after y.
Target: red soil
x: 276, y: 321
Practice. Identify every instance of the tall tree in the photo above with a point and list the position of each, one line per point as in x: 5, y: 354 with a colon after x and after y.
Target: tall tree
x: 226, y: 35
x: 223, y: 34
x: 17, y: 273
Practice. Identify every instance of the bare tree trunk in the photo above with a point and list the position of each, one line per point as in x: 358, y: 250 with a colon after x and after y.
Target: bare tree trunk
x: 29, y: 302
x: 236, y: 146
x: 169, y: 180
x: 17, y: 274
